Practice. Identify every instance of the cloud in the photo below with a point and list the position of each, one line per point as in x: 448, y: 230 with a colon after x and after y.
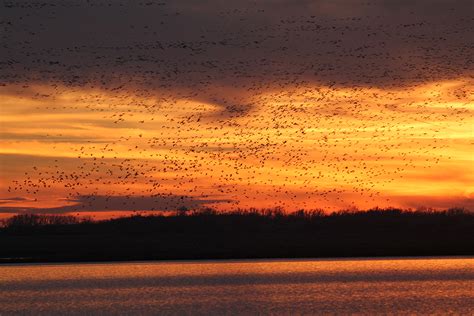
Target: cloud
x: 13, y: 199
x: 101, y: 203
x: 209, y: 50
x: 437, y: 202
x: 47, y: 138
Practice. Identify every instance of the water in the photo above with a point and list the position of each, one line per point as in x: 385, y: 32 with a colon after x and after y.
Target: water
x: 370, y: 286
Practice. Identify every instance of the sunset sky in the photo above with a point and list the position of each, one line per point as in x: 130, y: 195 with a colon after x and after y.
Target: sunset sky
x: 111, y: 106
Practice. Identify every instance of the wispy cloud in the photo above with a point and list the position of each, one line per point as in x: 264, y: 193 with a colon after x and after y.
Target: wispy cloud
x: 100, y: 203
x: 436, y: 202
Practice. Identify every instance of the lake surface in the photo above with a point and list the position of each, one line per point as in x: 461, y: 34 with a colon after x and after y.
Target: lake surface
x: 339, y: 286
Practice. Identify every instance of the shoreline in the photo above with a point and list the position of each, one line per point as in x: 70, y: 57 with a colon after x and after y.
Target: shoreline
x: 28, y: 262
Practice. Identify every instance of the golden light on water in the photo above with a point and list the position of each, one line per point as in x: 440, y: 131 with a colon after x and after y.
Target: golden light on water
x: 266, y: 286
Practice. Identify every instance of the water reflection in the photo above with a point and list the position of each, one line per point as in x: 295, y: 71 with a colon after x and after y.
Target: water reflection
x: 241, y: 287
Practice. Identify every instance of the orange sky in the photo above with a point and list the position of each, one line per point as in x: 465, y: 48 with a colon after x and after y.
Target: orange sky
x: 299, y: 147
x: 107, y: 107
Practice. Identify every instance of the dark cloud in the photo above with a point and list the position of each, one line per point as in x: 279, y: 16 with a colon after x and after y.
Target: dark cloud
x: 435, y: 202
x: 46, y: 138
x: 199, y: 49
x: 100, y: 203
x: 13, y: 199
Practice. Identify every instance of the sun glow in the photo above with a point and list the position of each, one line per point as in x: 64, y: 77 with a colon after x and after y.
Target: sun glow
x: 296, y: 147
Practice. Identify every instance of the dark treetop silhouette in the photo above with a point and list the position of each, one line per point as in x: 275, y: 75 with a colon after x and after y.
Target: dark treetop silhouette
x: 267, y: 233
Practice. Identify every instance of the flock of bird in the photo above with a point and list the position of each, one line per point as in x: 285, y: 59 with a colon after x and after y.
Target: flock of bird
x: 238, y: 105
